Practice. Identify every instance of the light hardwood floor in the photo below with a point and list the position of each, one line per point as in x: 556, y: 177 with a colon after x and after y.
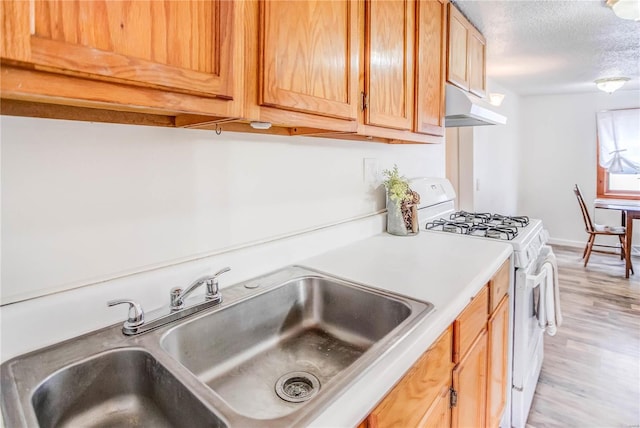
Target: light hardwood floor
x: 591, y: 371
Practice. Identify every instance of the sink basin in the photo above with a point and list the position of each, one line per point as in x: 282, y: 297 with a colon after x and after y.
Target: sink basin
x: 304, y: 339
x: 276, y: 352
x: 123, y: 387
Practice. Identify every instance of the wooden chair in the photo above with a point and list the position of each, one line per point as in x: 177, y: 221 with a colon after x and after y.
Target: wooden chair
x: 597, y: 229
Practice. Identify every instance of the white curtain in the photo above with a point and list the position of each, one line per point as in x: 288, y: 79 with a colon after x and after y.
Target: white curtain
x: 619, y: 139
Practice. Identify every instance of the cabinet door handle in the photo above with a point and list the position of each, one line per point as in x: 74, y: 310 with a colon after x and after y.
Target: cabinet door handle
x: 365, y: 101
x: 453, y: 400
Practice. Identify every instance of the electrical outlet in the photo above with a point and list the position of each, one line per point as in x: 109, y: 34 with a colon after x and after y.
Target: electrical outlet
x: 370, y: 171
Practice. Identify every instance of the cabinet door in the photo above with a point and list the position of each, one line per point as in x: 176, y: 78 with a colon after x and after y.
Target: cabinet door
x: 458, y: 49
x: 309, y: 59
x: 497, y: 368
x: 470, y: 382
x: 182, y: 46
x: 407, y: 403
x: 477, y: 65
x: 471, y: 321
x: 430, y: 66
x: 389, y: 72
x: 439, y: 415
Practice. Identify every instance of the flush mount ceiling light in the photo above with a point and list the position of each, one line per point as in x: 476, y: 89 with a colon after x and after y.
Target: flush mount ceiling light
x: 495, y: 99
x: 625, y: 9
x: 611, y: 84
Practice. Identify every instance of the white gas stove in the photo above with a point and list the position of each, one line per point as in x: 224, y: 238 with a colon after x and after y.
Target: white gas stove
x: 436, y: 214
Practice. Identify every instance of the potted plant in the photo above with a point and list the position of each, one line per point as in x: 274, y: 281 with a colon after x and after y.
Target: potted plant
x: 402, y: 203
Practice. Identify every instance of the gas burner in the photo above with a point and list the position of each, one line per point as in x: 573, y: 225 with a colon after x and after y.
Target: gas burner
x: 468, y: 217
x: 518, y: 221
x: 486, y: 225
x: 449, y: 226
x: 494, y: 231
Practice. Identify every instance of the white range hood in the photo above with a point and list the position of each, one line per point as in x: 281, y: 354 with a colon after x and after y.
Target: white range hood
x: 463, y: 109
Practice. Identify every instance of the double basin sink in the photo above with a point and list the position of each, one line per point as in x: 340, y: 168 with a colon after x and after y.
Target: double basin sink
x: 276, y: 352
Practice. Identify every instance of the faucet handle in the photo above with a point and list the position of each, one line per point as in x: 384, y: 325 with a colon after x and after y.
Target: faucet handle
x: 221, y: 271
x: 213, y: 290
x: 177, y: 301
x: 136, y: 314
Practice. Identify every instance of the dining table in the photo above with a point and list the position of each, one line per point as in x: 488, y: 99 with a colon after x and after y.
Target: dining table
x: 630, y: 209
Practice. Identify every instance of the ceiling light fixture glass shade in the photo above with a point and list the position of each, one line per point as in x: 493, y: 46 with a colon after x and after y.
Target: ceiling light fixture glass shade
x: 495, y: 99
x: 611, y: 84
x: 625, y: 9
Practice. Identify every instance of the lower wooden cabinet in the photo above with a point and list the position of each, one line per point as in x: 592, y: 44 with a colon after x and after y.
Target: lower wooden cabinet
x: 407, y: 404
x: 470, y: 386
x: 439, y: 414
x: 471, y: 394
x: 499, y: 286
x: 471, y: 321
x: 497, y: 370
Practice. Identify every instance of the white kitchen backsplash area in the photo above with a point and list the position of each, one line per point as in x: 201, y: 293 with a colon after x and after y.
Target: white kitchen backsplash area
x: 92, y: 212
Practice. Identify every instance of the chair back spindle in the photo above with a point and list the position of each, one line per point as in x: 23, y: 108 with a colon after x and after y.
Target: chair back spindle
x: 588, y: 224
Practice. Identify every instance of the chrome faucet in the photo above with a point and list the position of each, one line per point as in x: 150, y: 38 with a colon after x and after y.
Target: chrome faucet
x: 137, y: 324
x: 213, y: 295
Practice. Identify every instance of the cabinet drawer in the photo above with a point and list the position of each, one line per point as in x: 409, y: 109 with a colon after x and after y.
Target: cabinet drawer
x: 469, y: 324
x: 499, y: 286
x: 410, y: 399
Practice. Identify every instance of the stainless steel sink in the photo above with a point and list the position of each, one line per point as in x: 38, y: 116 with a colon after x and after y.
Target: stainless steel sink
x: 312, y: 326
x: 123, y: 387
x: 276, y: 352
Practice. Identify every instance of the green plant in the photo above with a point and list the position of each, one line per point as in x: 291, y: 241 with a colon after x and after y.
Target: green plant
x: 397, y: 185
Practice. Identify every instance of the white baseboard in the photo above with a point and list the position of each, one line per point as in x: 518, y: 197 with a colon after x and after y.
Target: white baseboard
x: 635, y: 250
x: 567, y: 242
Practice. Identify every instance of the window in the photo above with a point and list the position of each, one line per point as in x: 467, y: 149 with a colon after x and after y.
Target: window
x: 618, y: 151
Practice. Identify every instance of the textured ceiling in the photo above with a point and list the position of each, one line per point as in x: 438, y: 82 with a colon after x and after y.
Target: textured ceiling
x: 555, y: 46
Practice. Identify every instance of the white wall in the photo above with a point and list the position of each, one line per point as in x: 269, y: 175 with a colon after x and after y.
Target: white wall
x: 558, y: 150
x: 84, y: 203
x: 494, y: 150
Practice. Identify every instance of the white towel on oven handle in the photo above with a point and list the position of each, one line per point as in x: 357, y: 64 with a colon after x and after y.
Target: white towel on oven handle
x: 550, y: 296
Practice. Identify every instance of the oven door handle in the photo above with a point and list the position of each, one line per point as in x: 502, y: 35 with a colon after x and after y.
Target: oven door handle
x: 536, y: 280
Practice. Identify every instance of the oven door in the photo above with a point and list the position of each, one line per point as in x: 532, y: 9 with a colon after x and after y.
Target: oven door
x: 528, y: 343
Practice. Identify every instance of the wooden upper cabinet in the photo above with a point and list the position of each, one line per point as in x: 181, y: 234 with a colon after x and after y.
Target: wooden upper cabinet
x: 309, y: 57
x: 340, y: 68
x: 389, y: 60
x: 431, y: 46
x: 457, y: 49
x: 179, y: 46
x: 477, y: 63
x: 466, y: 54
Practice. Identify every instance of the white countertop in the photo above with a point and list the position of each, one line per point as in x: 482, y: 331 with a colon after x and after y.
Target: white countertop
x: 446, y: 270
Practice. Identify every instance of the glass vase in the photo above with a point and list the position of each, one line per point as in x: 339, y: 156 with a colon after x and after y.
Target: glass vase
x: 395, y: 222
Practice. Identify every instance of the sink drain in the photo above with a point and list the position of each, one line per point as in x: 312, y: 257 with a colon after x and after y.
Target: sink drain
x: 297, y: 387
